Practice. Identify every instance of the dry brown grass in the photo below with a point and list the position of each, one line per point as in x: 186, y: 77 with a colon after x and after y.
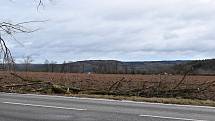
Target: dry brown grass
x: 152, y: 100
x: 121, y: 85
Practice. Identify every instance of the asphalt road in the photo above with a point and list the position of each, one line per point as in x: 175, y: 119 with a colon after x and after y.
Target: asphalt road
x: 17, y: 107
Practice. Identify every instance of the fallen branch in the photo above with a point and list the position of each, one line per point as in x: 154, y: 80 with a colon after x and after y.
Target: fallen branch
x: 116, y: 83
x: 182, y: 80
x: 16, y: 75
x: 27, y: 84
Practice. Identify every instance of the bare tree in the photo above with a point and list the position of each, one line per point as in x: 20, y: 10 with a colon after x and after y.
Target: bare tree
x: 27, y: 61
x: 53, y: 64
x: 7, y: 28
x: 63, y: 68
x: 46, y: 63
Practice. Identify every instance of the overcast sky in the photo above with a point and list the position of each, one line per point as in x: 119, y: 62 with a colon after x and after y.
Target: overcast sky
x: 126, y: 30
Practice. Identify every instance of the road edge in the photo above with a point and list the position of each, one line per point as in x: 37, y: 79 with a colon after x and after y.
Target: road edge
x: 121, y: 99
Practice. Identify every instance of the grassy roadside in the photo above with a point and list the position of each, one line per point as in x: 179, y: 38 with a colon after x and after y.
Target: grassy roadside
x: 151, y: 100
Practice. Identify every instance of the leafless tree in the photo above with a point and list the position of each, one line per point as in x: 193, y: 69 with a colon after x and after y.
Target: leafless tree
x: 27, y: 61
x: 7, y: 28
x: 63, y: 67
x: 53, y: 64
x: 46, y: 63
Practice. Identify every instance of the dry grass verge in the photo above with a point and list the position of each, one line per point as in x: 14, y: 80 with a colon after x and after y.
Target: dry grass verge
x: 151, y: 100
x: 169, y: 89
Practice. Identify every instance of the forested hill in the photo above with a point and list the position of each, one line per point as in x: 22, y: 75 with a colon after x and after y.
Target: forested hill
x: 117, y: 67
x: 197, y: 67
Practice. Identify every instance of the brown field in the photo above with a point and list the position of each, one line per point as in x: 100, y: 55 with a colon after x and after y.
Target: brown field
x: 170, y: 86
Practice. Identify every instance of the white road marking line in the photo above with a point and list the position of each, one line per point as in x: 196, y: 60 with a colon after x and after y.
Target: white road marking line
x: 44, y: 106
x: 110, y: 100
x: 173, y: 118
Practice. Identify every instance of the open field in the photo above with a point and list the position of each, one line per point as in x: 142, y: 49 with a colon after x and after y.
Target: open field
x: 160, y: 86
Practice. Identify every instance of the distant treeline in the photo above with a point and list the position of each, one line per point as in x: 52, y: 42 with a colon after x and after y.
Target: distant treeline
x: 197, y: 67
x: 206, y: 67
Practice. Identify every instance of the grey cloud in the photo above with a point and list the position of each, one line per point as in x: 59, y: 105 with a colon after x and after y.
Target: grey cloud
x: 115, y: 29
